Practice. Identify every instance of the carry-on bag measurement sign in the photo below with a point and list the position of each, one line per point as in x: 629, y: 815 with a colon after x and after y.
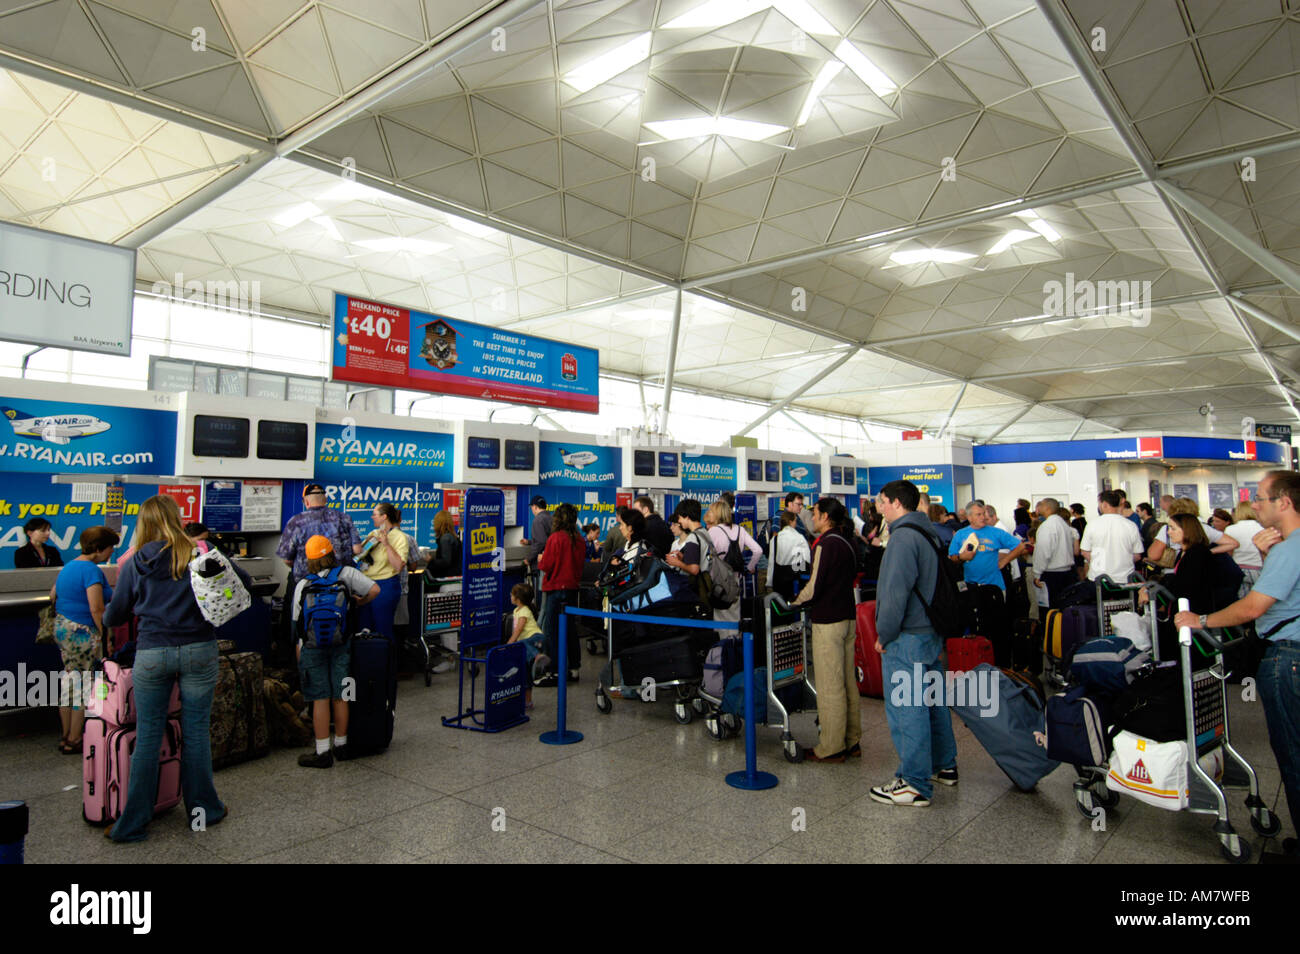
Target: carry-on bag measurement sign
x: 482, y: 588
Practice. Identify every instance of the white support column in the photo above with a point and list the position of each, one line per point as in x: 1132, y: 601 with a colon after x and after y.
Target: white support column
x: 672, y: 362
x: 806, y: 386
x: 952, y: 410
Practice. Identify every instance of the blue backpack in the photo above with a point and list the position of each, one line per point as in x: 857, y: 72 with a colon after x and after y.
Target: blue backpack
x: 324, y: 616
x: 1108, y: 663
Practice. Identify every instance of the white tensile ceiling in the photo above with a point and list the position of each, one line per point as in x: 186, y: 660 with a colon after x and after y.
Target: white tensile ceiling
x: 865, y: 201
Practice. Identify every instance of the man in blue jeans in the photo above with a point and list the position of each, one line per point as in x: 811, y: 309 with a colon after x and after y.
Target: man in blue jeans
x: 1274, y: 604
x: 922, y: 735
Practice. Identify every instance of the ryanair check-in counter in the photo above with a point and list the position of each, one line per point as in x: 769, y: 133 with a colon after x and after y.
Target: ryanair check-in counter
x: 1213, y: 471
x: 940, y: 468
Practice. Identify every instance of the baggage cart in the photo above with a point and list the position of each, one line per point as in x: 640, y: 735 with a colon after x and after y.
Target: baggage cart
x: 439, y: 621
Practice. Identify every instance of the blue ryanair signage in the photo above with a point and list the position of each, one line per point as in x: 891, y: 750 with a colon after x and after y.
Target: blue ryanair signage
x: 711, y: 471
x: 577, y: 465
x: 59, y: 437
x: 382, y: 453
x: 801, y: 477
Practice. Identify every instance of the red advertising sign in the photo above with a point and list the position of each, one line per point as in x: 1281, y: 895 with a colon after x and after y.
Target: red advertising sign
x: 451, y: 504
x: 186, y: 497
x: 913, y: 435
x: 1152, y: 447
x: 1250, y: 451
x: 623, y: 498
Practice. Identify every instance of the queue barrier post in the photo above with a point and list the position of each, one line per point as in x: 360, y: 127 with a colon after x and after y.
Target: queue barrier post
x: 562, y: 735
x: 751, y: 779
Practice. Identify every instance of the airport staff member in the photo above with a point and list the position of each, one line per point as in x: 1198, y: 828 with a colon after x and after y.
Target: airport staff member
x: 316, y: 520
x: 1274, y: 604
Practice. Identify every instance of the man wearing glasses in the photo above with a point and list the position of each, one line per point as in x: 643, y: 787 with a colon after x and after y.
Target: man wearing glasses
x: 1274, y: 605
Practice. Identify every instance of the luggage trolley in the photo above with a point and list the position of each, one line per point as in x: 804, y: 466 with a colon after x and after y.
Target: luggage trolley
x: 1205, y: 712
x: 1113, y: 598
x: 785, y: 649
x: 439, y: 620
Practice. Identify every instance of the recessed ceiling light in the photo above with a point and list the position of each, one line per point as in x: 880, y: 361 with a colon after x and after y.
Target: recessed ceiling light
x: 325, y: 222
x: 400, y: 244
x: 608, y: 65
x: 824, y: 77
x: 866, y: 71
x: 348, y: 189
x: 1045, y: 230
x: 298, y: 214
x: 475, y: 229
x: 917, y: 256
x: 1008, y: 240
x: 673, y: 129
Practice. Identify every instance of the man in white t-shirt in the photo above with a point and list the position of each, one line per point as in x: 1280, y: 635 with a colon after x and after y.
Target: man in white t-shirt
x: 1111, y: 543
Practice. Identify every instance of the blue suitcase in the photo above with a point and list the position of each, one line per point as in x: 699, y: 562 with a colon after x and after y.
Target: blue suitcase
x: 1008, y: 736
x: 370, y: 719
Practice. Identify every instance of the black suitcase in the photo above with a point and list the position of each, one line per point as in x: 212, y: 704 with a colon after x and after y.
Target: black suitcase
x: 1026, y: 646
x: 664, y: 660
x: 374, y: 669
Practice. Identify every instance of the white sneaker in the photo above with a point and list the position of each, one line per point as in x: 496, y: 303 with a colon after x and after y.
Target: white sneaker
x: 899, y: 792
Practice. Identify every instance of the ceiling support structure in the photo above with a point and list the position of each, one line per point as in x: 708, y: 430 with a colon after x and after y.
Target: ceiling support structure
x: 412, y: 70
x: 27, y: 357
x: 1027, y: 409
x: 182, y: 210
x: 815, y: 436
x: 639, y: 295
x: 800, y: 391
x: 1075, y: 432
x: 1114, y: 366
x: 1278, y: 324
x: 952, y: 410
x: 671, y: 369
x: 1170, y: 195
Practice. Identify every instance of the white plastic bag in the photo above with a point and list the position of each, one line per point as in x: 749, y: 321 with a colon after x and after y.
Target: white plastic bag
x: 1152, y: 772
x: 217, y: 588
x: 1133, y: 628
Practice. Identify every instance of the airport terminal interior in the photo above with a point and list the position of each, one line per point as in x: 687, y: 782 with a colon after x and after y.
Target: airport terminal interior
x: 460, y: 292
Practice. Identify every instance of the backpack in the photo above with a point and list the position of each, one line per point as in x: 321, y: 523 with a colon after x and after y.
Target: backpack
x: 217, y: 588
x: 1108, y: 663
x: 324, y: 616
x: 733, y: 557
x: 944, y: 608
x: 718, y: 582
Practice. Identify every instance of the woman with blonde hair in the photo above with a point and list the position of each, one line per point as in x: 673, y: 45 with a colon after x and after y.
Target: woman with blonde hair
x: 1245, y: 524
x: 174, y: 643
x: 723, y: 533
x: 1219, y: 542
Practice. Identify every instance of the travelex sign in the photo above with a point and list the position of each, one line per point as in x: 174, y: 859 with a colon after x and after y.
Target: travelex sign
x: 355, y: 452
x: 711, y: 471
x: 802, y: 477
x: 1132, y: 448
x: 61, y: 437
x: 390, y: 346
x: 577, y: 465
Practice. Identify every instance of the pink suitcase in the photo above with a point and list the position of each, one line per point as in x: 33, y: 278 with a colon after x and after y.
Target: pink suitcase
x: 114, y: 697
x: 106, y: 770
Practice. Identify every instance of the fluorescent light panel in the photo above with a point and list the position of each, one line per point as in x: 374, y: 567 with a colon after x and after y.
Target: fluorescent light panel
x: 917, y: 256
x: 298, y: 214
x: 673, y: 129
x: 608, y: 65
x: 865, y: 70
x: 828, y: 73
x: 1008, y: 240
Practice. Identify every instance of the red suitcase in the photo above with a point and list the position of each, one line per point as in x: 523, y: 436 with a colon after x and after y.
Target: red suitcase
x: 870, y: 680
x: 967, y: 652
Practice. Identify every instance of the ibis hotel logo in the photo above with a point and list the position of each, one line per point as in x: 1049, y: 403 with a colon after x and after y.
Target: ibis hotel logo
x: 569, y: 367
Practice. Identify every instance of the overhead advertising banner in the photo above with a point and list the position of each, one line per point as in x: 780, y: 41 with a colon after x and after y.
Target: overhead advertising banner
x: 482, y: 590
x: 375, y: 453
x: 711, y: 471
x: 935, y: 480
x: 578, y: 465
x: 23, y: 496
x: 397, y: 347
x: 64, y: 292
x: 1130, y: 448
x: 1221, y: 448
x: 801, y: 477
x: 60, y: 437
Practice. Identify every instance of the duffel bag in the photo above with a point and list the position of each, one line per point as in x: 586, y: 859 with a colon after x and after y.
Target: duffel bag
x: 1109, y: 663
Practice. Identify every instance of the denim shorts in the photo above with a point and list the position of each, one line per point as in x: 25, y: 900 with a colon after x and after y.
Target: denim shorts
x: 532, y: 646
x: 323, y: 670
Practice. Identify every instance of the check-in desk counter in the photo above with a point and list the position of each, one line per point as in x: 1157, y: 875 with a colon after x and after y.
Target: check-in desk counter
x: 24, y: 593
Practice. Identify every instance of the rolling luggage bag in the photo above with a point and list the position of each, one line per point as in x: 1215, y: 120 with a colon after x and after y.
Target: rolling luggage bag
x: 871, y: 681
x: 967, y: 652
x: 115, y: 702
x: 239, y: 730
x: 1026, y: 646
x: 374, y: 668
x: 1008, y: 735
x: 106, y: 769
x: 664, y: 660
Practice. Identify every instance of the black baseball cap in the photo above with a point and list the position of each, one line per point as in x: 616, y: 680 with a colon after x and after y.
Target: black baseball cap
x: 312, y: 488
x: 538, y: 501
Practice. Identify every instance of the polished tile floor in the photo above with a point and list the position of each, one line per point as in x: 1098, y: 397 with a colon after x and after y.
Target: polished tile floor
x: 639, y: 788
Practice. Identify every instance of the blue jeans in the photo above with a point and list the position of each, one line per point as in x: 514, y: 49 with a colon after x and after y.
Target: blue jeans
x: 1278, y: 679
x: 377, y: 615
x: 154, y: 674
x: 922, y: 735
x: 556, y: 600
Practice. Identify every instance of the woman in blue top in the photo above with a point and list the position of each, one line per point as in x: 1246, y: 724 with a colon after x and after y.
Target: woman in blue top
x: 176, y: 643
x: 79, y: 596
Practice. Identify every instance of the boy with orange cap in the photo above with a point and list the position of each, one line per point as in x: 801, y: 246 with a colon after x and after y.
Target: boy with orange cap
x: 323, y: 668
